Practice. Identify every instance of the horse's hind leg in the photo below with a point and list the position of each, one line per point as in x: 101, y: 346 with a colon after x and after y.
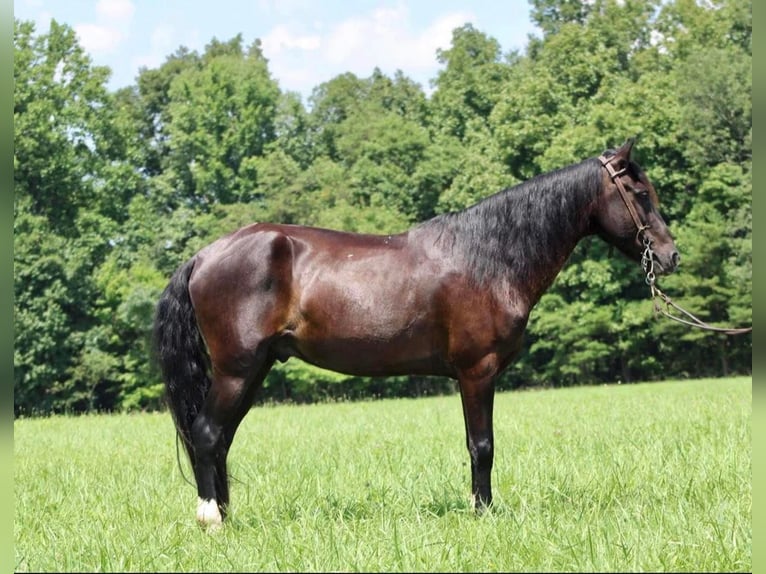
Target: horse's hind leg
x: 210, y: 446
x: 228, y: 401
x: 230, y: 428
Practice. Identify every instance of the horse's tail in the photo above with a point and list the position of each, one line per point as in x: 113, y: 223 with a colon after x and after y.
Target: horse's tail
x: 181, y: 354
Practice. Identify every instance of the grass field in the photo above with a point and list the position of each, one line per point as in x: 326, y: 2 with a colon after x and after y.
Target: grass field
x: 645, y: 477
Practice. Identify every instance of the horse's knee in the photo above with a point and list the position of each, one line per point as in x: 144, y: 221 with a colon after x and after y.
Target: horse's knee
x: 482, y: 452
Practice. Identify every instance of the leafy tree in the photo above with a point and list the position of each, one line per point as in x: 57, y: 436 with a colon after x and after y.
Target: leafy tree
x: 222, y: 115
x: 331, y: 103
x: 114, y: 191
x: 716, y: 282
x: 381, y: 152
x: 468, y: 88
x: 43, y: 348
x: 292, y: 130
x: 61, y: 122
x: 71, y: 180
x: 551, y: 15
x: 716, y: 117
x: 480, y: 172
x: 148, y: 102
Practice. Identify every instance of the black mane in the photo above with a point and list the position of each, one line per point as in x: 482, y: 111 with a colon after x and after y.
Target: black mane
x: 504, y: 235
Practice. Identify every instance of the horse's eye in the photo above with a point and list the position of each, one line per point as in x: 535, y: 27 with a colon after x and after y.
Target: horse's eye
x: 639, y: 191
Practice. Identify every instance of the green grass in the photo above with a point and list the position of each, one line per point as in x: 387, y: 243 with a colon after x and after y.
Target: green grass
x: 646, y: 477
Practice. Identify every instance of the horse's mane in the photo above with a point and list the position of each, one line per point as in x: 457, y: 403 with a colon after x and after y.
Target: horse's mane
x: 505, y: 234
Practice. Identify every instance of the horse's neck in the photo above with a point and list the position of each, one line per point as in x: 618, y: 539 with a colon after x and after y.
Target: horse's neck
x: 537, y: 248
x: 514, y: 240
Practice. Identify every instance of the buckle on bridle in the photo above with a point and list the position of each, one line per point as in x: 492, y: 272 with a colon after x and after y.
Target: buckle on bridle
x: 607, y: 163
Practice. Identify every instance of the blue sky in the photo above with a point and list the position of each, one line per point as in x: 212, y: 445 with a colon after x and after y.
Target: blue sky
x: 307, y: 42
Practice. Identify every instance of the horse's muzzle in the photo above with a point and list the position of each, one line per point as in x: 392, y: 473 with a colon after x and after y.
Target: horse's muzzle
x: 665, y: 265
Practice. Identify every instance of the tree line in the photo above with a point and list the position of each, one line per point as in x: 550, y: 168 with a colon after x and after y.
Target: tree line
x: 114, y: 189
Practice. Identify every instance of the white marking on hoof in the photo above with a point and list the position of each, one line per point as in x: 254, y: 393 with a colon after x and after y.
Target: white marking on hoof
x: 208, y: 514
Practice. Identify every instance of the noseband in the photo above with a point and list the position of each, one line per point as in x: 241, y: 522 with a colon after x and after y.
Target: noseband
x: 647, y: 262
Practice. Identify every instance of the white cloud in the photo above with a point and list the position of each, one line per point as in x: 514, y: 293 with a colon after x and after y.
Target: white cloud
x: 160, y: 46
x: 112, y: 28
x: 116, y: 10
x: 382, y: 38
x: 283, y: 8
x: 385, y: 39
x: 164, y: 40
x: 163, y: 37
x: 98, y: 39
x: 280, y: 39
x: 439, y: 34
x: 43, y: 21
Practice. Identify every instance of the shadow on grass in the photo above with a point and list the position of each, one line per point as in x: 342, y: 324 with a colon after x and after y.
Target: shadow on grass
x: 375, y: 504
x: 462, y: 505
x: 444, y: 505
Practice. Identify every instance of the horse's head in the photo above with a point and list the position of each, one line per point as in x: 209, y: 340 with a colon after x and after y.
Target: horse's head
x: 627, y: 213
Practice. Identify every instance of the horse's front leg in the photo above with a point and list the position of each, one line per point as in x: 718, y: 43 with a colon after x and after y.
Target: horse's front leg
x: 478, y: 394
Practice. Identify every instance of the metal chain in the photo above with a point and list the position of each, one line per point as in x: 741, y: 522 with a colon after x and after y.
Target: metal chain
x: 647, y: 261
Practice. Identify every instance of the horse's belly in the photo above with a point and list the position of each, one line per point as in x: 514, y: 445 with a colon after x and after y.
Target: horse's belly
x: 371, y: 317
x: 374, y: 348
x: 355, y: 358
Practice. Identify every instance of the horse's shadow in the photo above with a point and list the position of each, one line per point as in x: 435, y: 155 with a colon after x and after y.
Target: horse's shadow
x: 335, y: 508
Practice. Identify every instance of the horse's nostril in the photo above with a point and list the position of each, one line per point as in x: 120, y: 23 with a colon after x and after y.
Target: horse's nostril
x: 675, y: 258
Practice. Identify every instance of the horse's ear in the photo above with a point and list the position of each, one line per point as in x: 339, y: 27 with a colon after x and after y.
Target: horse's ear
x: 625, y: 149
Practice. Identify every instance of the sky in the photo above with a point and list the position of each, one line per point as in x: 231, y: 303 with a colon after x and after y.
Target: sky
x: 307, y: 42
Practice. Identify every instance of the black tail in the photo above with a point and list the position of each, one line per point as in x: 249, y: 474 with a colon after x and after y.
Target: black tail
x: 181, y: 354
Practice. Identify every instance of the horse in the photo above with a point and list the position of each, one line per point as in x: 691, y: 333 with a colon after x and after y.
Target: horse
x: 450, y: 296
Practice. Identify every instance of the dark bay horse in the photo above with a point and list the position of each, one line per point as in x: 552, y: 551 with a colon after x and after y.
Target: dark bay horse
x: 450, y: 296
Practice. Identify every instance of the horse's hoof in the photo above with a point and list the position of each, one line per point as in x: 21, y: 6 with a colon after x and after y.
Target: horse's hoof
x: 480, y: 505
x: 209, y: 515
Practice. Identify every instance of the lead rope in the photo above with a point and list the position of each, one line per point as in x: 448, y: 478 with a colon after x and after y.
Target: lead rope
x: 647, y: 263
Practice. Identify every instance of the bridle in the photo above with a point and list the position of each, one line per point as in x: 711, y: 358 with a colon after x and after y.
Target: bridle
x: 647, y: 258
x: 615, y: 176
x: 647, y: 263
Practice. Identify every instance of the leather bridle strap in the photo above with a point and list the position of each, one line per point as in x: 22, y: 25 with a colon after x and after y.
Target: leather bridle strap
x: 615, y: 176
